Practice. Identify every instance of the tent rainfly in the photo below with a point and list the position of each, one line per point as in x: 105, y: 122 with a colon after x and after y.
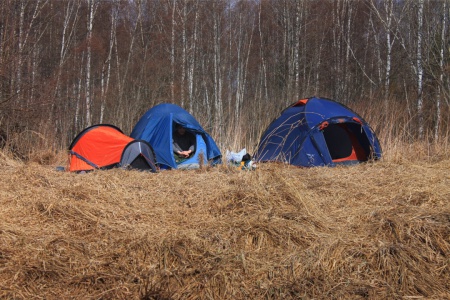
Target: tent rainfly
x: 318, y: 132
x: 156, y: 127
x: 105, y: 146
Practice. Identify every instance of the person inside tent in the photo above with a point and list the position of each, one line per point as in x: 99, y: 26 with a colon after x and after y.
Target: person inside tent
x: 183, y: 143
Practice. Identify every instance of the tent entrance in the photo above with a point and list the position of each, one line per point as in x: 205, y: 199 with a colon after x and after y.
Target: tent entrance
x: 184, y: 143
x: 140, y: 163
x: 346, y: 142
x: 197, y: 157
x: 138, y: 155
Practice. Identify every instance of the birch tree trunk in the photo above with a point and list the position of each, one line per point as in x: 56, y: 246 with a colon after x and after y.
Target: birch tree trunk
x: 172, y: 52
x: 131, y: 49
x: 229, y: 58
x: 21, y: 42
x: 288, y: 47
x: 387, y: 22
x: 265, y: 93
x: 24, y: 34
x: 245, y: 39
x: 77, y: 95
x: 319, y: 64
x: 377, y: 47
x: 70, y: 15
x: 239, y: 70
x: 441, y: 70
x: 192, y: 59
x: 71, y: 12
x: 348, y: 43
x: 388, y: 4
x: 183, y: 54
x: 296, y: 44
x: 106, y: 68
x: 90, y: 23
x: 420, y: 68
x: 337, y: 48
x: 218, y: 106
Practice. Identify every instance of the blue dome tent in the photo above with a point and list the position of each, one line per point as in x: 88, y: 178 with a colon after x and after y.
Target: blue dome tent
x: 156, y: 127
x: 318, y: 132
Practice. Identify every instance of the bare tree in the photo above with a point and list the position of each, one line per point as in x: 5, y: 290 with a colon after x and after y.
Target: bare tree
x: 218, y: 106
x: 419, y: 66
x: 106, y: 68
x: 192, y: 54
x: 172, y: 50
x: 244, y: 33
x: 265, y: 94
x: 217, y: 58
x: 24, y: 34
x: 441, y: 70
x: 92, y: 6
x: 70, y: 21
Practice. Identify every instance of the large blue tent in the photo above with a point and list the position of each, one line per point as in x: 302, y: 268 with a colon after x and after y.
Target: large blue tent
x: 318, y: 132
x: 156, y: 127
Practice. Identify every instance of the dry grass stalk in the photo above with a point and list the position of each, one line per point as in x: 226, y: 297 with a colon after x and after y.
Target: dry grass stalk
x: 372, y: 231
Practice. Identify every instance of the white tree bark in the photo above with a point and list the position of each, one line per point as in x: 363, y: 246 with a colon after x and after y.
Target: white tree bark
x: 70, y: 15
x: 441, y: 70
x: 296, y: 44
x: 183, y: 54
x: 377, y: 48
x: 389, y: 7
x: 348, y: 42
x: 337, y: 48
x: 20, y: 44
x: 263, y: 59
x: 77, y: 94
x: 218, y: 106
x: 24, y: 34
x: 192, y: 60
x: 137, y: 21
x: 90, y: 23
x: 106, y: 68
x: 172, y: 51
x: 419, y: 63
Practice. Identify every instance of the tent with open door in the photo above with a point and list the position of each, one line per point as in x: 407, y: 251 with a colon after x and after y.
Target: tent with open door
x: 318, y: 132
x: 157, y: 126
x: 105, y: 146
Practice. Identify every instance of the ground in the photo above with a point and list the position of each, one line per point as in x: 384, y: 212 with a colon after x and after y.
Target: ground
x: 379, y: 230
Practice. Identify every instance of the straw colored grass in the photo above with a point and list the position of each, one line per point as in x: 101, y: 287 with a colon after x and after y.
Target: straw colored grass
x: 373, y: 231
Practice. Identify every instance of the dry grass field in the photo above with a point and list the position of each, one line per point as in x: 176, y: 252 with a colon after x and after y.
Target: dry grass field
x: 373, y: 231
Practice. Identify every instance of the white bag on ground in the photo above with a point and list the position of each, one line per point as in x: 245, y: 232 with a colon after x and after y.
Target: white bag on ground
x: 235, y: 158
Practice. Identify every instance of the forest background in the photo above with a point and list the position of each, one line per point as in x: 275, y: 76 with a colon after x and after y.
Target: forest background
x: 372, y: 231
x: 235, y: 65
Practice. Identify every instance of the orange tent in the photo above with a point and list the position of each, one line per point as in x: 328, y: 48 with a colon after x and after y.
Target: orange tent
x: 97, y: 147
